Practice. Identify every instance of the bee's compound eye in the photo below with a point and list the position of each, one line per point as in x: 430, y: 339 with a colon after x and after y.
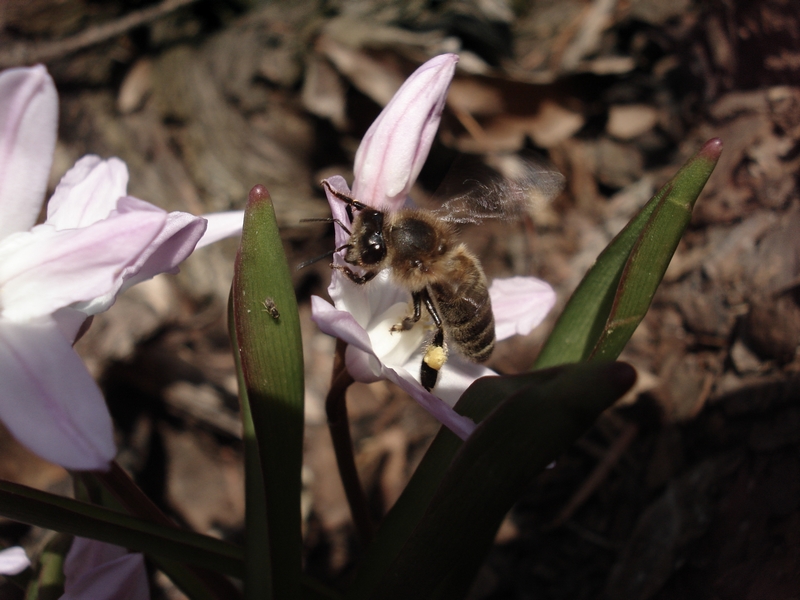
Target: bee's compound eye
x: 373, y: 254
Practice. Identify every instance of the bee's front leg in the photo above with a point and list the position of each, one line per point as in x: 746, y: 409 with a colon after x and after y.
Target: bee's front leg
x: 353, y: 276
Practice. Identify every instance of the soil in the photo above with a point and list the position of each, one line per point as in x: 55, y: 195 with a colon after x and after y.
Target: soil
x: 690, y: 486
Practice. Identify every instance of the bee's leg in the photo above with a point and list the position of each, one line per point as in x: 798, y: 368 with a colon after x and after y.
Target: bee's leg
x: 409, y: 322
x: 436, y: 354
x: 431, y: 309
x: 353, y: 276
x: 345, y: 198
x: 433, y: 361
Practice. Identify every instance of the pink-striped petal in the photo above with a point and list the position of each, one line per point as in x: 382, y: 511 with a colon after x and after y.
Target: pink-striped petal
x: 520, y: 304
x: 395, y: 147
x: 87, y: 193
x: 173, y: 244
x: 220, y: 226
x: 28, y: 125
x: 44, y: 269
x: 50, y: 403
x: 364, y: 365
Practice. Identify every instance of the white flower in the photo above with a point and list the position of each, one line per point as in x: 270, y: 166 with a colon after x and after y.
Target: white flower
x: 95, y: 242
x: 387, y: 163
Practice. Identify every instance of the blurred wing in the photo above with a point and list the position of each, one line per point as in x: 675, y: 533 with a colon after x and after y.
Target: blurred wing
x: 508, y: 189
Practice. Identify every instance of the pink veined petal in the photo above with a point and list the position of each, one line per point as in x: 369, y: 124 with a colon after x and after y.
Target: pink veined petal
x: 99, y: 570
x: 87, y: 193
x: 44, y: 270
x: 28, y: 126
x: 69, y: 321
x: 50, y: 403
x: 13, y: 561
x: 174, y: 242
x: 339, y: 324
x: 395, y: 147
x: 364, y: 366
x: 438, y: 408
x: 220, y: 226
x: 338, y: 208
x: 455, y: 377
x: 520, y: 304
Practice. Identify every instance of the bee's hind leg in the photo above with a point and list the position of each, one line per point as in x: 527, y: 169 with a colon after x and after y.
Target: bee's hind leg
x: 433, y: 361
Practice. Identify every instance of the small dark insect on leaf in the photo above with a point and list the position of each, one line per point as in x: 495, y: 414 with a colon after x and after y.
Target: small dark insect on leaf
x: 269, y: 306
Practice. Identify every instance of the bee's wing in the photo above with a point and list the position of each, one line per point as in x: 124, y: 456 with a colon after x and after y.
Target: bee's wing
x: 508, y: 189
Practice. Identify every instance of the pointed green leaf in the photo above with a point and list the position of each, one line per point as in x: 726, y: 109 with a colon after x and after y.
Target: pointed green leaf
x: 482, y: 397
x: 490, y: 472
x: 653, y: 252
x: 476, y: 402
x: 21, y: 503
x: 655, y: 232
x: 258, y: 566
x: 267, y: 337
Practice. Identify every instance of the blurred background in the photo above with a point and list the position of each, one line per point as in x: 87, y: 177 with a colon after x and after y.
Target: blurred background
x: 690, y: 487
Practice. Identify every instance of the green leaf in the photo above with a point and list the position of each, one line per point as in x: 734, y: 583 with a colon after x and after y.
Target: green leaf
x: 42, y: 509
x: 268, y: 343
x: 258, y: 566
x: 479, y: 400
x: 489, y: 473
x: 613, y: 297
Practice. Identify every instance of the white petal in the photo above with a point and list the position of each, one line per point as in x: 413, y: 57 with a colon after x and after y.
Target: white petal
x: 44, y: 270
x: 220, y: 226
x: 339, y: 324
x: 173, y: 244
x: 395, y: 147
x: 438, y: 408
x: 28, y: 125
x: 520, y: 304
x: 87, y: 193
x: 50, y: 403
x: 364, y: 366
x: 395, y: 348
x: 13, y: 561
x: 69, y: 321
x: 338, y: 208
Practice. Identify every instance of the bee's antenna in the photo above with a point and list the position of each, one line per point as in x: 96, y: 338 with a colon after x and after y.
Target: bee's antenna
x: 327, y: 220
x: 303, y: 265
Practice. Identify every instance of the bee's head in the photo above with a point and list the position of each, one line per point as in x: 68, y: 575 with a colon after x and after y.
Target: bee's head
x: 368, y: 244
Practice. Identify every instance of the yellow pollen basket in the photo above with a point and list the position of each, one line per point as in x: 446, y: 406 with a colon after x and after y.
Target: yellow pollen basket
x: 435, y: 357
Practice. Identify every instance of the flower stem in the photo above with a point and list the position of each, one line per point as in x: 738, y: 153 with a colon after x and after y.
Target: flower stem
x: 339, y: 426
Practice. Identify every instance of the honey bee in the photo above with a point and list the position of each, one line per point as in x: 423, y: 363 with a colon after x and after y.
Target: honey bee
x: 421, y: 249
